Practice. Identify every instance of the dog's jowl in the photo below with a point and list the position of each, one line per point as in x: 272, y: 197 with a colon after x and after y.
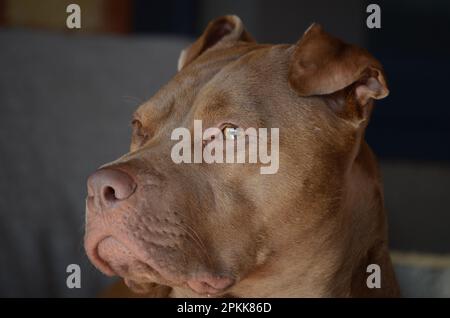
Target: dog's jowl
x: 215, y: 228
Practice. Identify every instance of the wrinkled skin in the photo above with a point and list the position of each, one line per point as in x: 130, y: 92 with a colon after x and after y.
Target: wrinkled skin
x: 311, y: 229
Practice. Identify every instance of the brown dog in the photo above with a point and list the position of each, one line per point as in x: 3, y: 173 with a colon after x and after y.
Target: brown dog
x: 311, y: 229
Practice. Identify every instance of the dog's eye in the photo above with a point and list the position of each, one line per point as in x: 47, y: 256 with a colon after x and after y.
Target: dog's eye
x: 138, y: 131
x: 231, y: 132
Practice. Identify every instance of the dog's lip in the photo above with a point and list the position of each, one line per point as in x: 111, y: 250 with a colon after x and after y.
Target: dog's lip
x: 99, y: 262
x: 202, y: 283
x: 210, y: 284
x: 153, y: 272
x: 150, y: 267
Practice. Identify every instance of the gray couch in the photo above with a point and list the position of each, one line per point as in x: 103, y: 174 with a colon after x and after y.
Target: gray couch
x: 65, y: 108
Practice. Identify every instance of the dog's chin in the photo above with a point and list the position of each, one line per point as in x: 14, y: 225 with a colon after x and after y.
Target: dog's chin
x: 140, y: 287
x: 141, y: 276
x: 209, y: 285
x: 145, y: 279
x: 146, y: 284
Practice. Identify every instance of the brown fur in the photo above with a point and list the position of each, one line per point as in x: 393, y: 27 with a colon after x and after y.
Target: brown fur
x: 309, y: 230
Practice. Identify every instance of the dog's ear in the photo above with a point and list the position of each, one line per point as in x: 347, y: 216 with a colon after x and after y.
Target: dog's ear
x: 324, y: 65
x: 226, y: 28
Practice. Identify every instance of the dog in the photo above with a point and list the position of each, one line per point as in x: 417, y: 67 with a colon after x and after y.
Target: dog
x: 225, y: 230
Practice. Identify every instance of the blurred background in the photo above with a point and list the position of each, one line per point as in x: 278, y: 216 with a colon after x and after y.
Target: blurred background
x: 66, y: 99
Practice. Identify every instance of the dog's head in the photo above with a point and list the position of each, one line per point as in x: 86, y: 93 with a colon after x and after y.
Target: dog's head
x: 212, y: 228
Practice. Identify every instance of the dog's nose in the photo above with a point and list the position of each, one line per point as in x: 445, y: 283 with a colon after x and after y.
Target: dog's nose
x: 108, y: 186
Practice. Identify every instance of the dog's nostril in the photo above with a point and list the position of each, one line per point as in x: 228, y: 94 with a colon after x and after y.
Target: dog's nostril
x: 110, y: 185
x: 109, y: 194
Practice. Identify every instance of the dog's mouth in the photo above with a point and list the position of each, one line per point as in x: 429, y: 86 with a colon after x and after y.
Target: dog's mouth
x: 112, y: 257
x: 141, y: 273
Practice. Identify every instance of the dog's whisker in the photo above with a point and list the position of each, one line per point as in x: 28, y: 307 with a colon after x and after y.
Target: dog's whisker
x: 132, y: 99
x: 197, y: 240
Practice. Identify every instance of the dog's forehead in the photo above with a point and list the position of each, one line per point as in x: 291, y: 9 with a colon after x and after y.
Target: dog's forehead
x: 256, y: 71
x: 253, y: 86
x: 209, y: 71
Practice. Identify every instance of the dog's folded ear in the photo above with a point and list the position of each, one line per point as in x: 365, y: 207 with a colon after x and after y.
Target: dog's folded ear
x: 323, y: 65
x: 225, y: 28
